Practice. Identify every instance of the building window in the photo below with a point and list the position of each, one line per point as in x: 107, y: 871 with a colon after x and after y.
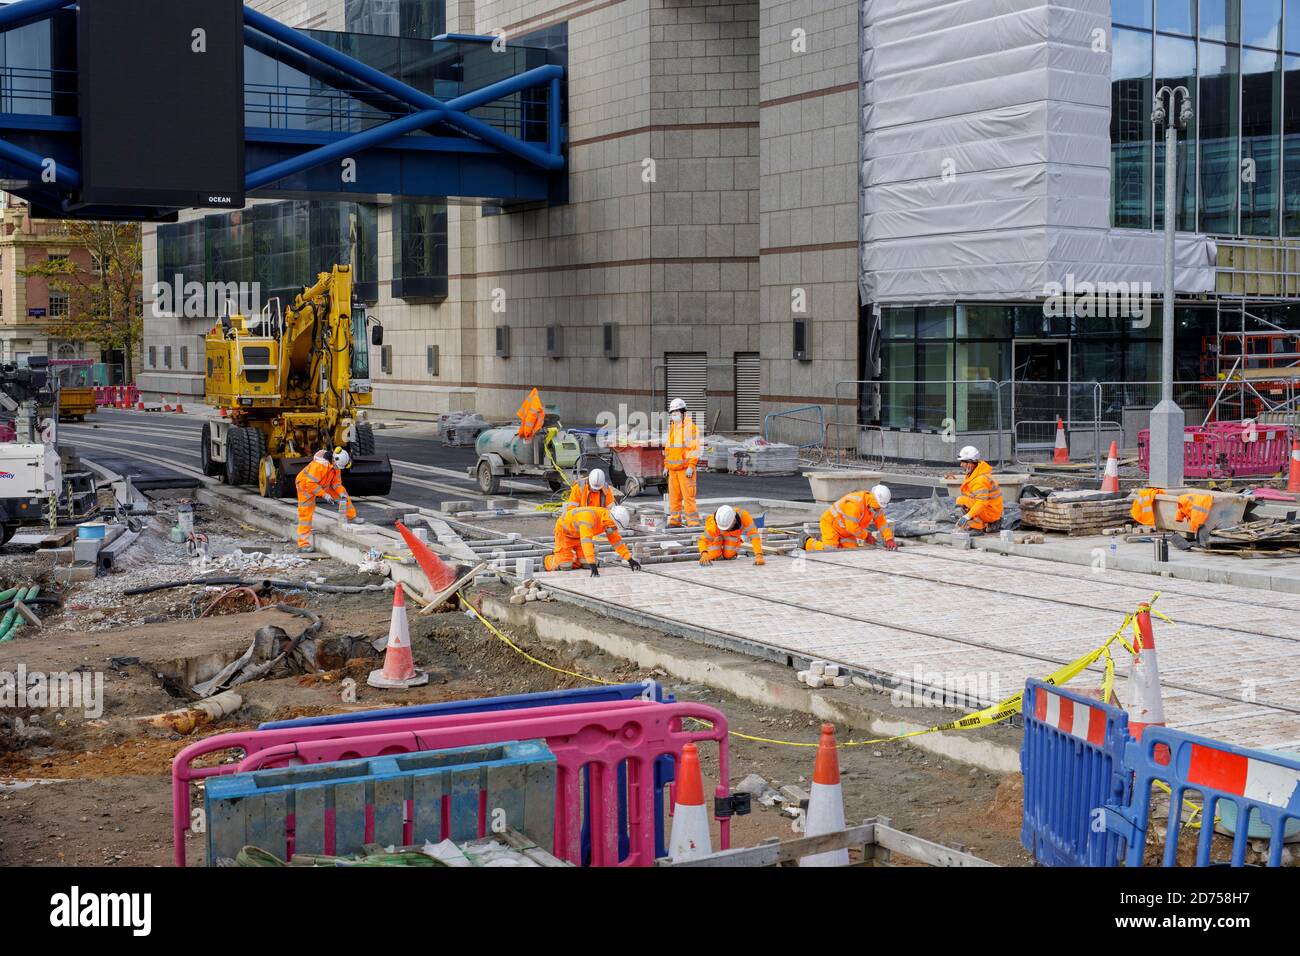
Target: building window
x: 58, y: 304
x: 386, y: 359
x: 2, y: 301
x: 153, y: 356
x: 419, y: 250
x: 185, y: 357
x: 433, y: 360
x: 167, y: 356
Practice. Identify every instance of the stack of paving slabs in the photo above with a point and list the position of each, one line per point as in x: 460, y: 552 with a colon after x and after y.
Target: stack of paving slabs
x: 1076, y: 512
x: 1267, y: 538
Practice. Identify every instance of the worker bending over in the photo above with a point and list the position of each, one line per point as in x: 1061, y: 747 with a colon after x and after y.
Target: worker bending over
x: 322, y: 478
x: 723, y: 531
x: 980, y: 496
x: 576, y: 532
x: 681, y: 458
x: 591, y: 492
x: 850, y: 521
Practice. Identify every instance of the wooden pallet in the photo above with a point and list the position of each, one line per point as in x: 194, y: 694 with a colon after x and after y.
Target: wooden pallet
x: 1074, y: 514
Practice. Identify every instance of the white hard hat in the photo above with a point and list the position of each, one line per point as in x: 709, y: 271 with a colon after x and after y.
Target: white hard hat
x: 882, y: 494
x: 341, y: 458
x: 622, y: 517
x: 677, y: 405
x: 969, y: 453
x: 596, y: 478
x: 725, y: 517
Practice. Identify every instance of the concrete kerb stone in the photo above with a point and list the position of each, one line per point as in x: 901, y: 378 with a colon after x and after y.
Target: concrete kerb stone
x: 760, y: 678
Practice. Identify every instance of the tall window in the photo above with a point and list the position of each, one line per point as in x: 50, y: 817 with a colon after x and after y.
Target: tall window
x: 419, y: 250
x: 58, y: 303
x: 1130, y: 128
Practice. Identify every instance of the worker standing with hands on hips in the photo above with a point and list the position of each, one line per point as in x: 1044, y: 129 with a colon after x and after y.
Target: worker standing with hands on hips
x: 681, y: 458
x: 576, y: 532
x: 980, y: 495
x: 850, y: 521
x: 322, y: 478
x: 723, y: 531
x: 591, y: 492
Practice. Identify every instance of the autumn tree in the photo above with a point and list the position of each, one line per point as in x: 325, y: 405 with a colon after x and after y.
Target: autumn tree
x: 102, y: 301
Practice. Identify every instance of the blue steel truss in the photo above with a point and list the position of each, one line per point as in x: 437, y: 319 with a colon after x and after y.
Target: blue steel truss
x: 407, y: 141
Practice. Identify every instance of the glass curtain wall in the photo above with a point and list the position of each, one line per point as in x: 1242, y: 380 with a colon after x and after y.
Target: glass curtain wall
x: 1239, y: 163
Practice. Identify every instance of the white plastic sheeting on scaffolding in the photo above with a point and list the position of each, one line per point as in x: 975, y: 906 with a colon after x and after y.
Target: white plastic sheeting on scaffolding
x: 986, y: 155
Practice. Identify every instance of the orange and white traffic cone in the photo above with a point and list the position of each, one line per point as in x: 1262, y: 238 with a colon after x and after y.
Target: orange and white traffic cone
x: 1061, y: 453
x: 1293, y: 477
x: 178, y: 406
x: 441, y: 576
x: 399, y: 667
x: 826, y: 801
x: 139, y: 406
x: 1110, y: 478
x: 690, y: 836
x: 1146, y: 704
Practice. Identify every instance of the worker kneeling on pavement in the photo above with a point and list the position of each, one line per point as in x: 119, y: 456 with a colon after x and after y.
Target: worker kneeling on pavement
x: 592, y: 492
x: 723, y: 531
x: 576, y: 532
x: 681, y: 459
x: 849, y: 522
x: 322, y: 478
x: 980, y: 495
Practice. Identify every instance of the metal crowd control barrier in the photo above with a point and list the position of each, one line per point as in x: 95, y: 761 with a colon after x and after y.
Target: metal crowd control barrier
x: 337, y: 809
x: 1072, y: 760
x: 1263, y: 787
x: 645, y: 690
x: 601, y: 737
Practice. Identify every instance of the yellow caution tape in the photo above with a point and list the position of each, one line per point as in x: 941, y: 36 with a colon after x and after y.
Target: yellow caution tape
x: 519, y: 650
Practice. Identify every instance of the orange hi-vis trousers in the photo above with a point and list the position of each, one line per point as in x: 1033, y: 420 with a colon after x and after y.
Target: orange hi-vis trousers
x: 319, y: 479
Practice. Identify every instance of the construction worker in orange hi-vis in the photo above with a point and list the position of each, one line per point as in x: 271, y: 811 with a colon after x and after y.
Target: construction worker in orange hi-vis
x: 681, y: 459
x: 322, y: 478
x: 979, y: 503
x: 723, y: 531
x: 591, y: 492
x: 576, y: 532
x: 850, y: 521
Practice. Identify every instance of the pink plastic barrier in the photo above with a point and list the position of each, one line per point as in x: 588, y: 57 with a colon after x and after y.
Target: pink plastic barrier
x: 599, y: 736
x: 117, y: 396
x: 1227, y: 450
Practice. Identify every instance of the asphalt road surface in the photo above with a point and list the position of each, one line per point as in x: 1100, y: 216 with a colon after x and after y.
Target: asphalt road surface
x: 160, y: 449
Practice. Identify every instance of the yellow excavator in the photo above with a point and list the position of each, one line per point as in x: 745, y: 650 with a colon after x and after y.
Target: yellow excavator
x: 289, y: 384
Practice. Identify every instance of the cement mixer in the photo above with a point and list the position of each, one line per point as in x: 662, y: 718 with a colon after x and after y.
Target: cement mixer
x: 501, y: 452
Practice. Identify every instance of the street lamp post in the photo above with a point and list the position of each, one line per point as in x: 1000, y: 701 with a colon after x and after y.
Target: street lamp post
x: 1167, y: 418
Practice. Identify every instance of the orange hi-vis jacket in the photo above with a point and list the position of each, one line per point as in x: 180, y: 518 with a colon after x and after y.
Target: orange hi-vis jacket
x: 578, y: 529
x: 981, y: 496
x: 717, y: 543
x: 531, y: 416
x: 682, y: 449
x: 1144, y: 506
x: 854, y: 515
x: 1194, y: 509
x: 581, y: 495
x: 320, y: 479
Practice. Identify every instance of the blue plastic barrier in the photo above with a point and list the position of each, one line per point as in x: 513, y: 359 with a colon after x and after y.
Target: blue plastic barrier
x: 1072, y: 761
x: 648, y: 690
x: 1263, y: 788
x: 338, y: 808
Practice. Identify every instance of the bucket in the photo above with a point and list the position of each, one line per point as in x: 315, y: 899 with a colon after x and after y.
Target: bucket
x: 92, y: 531
x: 185, y: 517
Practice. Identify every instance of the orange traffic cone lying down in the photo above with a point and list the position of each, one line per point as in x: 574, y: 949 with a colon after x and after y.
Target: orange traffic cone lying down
x: 1110, y: 479
x: 1061, y: 453
x: 399, y: 666
x: 438, y: 572
x: 690, y: 836
x: 826, y: 801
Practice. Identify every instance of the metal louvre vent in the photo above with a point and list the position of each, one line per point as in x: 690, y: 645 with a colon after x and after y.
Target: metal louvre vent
x: 748, y: 376
x: 686, y: 376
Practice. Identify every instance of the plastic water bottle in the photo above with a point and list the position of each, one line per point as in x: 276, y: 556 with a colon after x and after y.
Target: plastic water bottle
x: 1114, y: 549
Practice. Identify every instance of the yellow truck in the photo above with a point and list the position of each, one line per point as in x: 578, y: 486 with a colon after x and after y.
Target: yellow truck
x: 76, y: 391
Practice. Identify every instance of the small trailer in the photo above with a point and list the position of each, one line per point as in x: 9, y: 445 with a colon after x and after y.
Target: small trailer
x: 502, y: 453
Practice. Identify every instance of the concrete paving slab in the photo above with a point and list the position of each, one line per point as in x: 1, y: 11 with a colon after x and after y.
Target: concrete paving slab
x: 932, y: 616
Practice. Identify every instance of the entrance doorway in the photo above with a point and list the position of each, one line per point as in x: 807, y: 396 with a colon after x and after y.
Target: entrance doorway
x: 1040, y: 390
